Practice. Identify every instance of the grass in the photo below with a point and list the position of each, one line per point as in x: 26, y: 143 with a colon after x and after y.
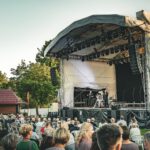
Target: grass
x: 143, y: 131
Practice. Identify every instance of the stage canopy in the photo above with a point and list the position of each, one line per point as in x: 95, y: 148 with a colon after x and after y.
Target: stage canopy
x: 104, y: 37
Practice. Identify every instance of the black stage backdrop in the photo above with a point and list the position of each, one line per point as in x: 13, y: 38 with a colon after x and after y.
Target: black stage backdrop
x: 129, y: 85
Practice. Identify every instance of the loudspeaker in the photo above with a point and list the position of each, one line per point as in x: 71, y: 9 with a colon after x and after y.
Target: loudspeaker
x: 135, y: 60
x: 63, y: 113
x: 109, y: 114
x: 53, y: 76
x: 69, y: 113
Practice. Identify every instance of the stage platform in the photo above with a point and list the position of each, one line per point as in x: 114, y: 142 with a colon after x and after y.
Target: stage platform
x: 100, y: 114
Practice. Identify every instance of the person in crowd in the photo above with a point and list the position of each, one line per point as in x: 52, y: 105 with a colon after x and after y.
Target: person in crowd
x: 61, y: 138
x: 112, y: 120
x: 94, y: 145
x: 75, y: 129
x: 35, y: 137
x: 39, y: 124
x: 10, y: 141
x: 93, y: 122
x: 133, y: 121
x: 26, y: 144
x: 109, y: 137
x: 71, y: 125
x: 46, y: 126
x: 102, y: 122
x: 122, y: 121
x: 126, y: 143
x: 84, y: 138
x: 88, y: 120
x: 71, y: 143
x: 135, y: 133
x: 147, y: 140
x: 33, y: 123
x: 47, y: 140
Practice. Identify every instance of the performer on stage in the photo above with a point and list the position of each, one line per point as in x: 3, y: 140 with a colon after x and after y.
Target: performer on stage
x: 99, y: 100
x: 90, y: 98
x: 105, y: 98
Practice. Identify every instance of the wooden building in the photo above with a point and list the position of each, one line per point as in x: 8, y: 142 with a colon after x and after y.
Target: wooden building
x: 9, y: 101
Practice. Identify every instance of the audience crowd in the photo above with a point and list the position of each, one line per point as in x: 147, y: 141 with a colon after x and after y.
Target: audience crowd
x: 37, y: 133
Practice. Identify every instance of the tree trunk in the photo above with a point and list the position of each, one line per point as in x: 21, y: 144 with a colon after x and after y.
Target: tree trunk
x: 37, y: 110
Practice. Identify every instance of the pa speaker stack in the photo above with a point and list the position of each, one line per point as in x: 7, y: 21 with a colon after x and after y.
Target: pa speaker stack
x: 53, y: 76
x: 135, y: 60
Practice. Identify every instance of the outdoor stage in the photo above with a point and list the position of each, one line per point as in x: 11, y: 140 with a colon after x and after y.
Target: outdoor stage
x: 82, y: 113
x: 104, y: 51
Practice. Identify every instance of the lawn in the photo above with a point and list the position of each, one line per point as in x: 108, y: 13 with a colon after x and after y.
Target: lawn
x: 144, y: 131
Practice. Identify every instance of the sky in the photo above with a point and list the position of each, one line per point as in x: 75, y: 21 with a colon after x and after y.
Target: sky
x: 25, y: 25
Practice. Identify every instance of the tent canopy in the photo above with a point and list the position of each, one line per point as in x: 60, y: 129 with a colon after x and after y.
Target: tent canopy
x: 98, y: 37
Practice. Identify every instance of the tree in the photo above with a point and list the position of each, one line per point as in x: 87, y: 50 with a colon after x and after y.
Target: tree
x: 52, y: 62
x: 3, y: 80
x: 34, y: 79
x: 20, y: 70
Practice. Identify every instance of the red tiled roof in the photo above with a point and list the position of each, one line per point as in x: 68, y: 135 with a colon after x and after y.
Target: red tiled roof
x: 7, y: 96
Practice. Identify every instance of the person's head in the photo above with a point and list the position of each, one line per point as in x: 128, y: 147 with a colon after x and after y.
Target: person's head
x: 61, y: 136
x: 112, y: 120
x: 47, y: 124
x: 88, y: 120
x: 26, y: 130
x: 121, y: 117
x: 147, y: 140
x: 134, y: 125
x: 86, y: 132
x: 10, y: 141
x: 48, y: 138
x: 64, y: 124
x: 126, y: 133
x: 92, y: 119
x: 109, y: 137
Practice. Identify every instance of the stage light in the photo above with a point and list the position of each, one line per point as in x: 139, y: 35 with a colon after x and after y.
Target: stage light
x: 102, y: 53
x: 120, y: 61
x: 125, y: 60
x: 92, y: 42
x: 112, y: 51
x: 79, y: 47
x: 75, y: 49
x: 95, y: 50
x: 67, y: 57
x: 83, y: 46
x: 107, y: 51
x: 88, y: 44
x: 103, y: 38
x: 82, y: 58
x: 122, y: 48
x: 71, y: 50
x: 116, y: 50
x: 98, y: 54
x: 97, y: 40
x: 110, y: 63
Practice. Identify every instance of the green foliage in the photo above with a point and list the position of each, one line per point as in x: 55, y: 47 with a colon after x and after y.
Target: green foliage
x: 3, y: 80
x: 49, y: 61
x: 143, y: 131
x: 20, y: 70
x: 35, y: 79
